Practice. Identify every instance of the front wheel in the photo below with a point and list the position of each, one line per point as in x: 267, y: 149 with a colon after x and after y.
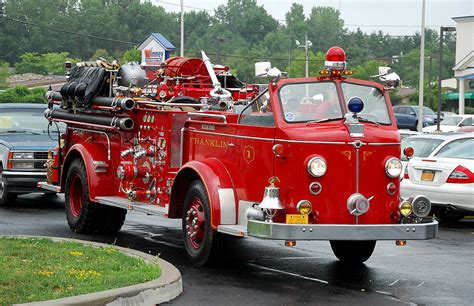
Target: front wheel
x: 6, y: 197
x: 353, y: 252
x: 81, y: 214
x: 199, y: 237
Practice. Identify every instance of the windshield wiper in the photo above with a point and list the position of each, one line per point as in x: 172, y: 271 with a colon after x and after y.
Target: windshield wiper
x: 19, y: 131
x: 363, y: 119
x: 323, y: 120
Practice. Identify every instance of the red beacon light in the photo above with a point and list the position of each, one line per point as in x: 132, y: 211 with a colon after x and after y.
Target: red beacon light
x: 335, y: 64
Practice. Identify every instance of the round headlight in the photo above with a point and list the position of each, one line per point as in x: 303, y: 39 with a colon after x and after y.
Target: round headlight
x: 304, y: 207
x: 405, y: 208
x: 393, y: 167
x: 317, y: 166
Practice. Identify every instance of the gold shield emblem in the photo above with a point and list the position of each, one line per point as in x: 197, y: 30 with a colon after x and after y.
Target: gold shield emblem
x: 249, y: 154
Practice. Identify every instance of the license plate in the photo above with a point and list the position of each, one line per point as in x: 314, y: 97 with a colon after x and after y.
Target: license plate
x: 427, y: 175
x: 297, y: 219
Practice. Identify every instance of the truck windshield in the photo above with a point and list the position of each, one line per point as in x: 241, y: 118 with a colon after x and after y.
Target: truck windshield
x: 375, y: 106
x: 302, y: 102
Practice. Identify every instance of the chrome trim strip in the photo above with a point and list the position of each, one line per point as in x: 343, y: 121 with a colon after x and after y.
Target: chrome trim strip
x: 223, y: 117
x: 383, y: 144
x: 170, y: 104
x: 227, y: 205
x: 181, y: 147
x: 20, y: 173
x: 282, y: 231
x: 28, y: 160
x: 357, y: 170
x: 98, y: 132
x: 312, y: 142
x: 233, y: 136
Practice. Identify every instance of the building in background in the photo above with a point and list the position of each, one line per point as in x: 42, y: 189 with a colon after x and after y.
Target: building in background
x: 464, y: 67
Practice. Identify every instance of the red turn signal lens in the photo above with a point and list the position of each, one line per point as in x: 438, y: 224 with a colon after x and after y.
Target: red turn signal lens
x: 391, y: 188
x: 315, y: 188
x: 408, y: 151
x: 461, y: 175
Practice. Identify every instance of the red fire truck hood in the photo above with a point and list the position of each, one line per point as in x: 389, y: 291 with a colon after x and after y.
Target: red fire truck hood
x: 337, y: 131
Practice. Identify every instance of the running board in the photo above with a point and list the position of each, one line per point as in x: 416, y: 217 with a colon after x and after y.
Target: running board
x: 234, y: 230
x: 131, y: 205
x: 49, y: 187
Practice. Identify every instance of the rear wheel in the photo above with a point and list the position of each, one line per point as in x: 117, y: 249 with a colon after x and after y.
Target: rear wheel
x: 199, y: 237
x: 81, y: 213
x: 112, y: 219
x: 353, y: 252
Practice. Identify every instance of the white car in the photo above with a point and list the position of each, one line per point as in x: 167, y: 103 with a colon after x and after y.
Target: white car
x: 427, y: 145
x: 451, y: 124
x: 446, y: 179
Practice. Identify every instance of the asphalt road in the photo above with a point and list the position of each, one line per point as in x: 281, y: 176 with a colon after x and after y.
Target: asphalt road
x: 252, y: 271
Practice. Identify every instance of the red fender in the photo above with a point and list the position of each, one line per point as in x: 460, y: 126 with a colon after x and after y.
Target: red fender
x: 215, y: 176
x: 97, y: 175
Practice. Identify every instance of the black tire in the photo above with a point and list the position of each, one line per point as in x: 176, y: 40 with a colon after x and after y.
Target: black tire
x: 6, y: 198
x: 112, y: 219
x: 81, y: 214
x: 353, y: 252
x: 449, y: 216
x: 198, y: 241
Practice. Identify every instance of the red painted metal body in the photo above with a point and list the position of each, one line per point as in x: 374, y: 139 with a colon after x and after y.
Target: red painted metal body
x: 238, y: 157
x: 231, y: 151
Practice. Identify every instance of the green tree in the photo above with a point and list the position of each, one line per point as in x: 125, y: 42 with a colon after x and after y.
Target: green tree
x: 327, y: 28
x: 246, y: 19
x: 132, y: 55
x: 101, y: 53
x: 4, y: 73
x: 49, y: 63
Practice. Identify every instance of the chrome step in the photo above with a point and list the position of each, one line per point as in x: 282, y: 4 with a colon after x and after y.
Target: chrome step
x: 132, y: 205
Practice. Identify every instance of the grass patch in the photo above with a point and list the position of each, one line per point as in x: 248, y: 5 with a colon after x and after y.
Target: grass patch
x: 41, y: 269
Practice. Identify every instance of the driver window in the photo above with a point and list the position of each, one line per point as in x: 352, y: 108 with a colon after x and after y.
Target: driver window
x: 303, y: 102
x: 260, y: 114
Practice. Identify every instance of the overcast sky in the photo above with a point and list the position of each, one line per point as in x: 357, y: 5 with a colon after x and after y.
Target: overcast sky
x: 397, y: 17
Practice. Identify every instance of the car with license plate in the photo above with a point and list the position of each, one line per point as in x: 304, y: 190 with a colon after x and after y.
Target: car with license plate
x: 25, y: 141
x: 445, y: 177
x: 407, y: 116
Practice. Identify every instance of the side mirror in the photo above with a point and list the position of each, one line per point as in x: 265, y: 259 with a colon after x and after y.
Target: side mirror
x: 388, y: 77
x: 262, y: 68
x: 413, y: 113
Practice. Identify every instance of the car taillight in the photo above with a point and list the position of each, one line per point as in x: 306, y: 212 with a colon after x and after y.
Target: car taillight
x: 405, y: 173
x: 461, y: 175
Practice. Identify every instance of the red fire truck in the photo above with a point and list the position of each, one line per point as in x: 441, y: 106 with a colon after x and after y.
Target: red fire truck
x: 305, y: 159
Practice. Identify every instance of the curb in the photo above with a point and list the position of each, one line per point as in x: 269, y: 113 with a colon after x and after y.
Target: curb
x: 166, y: 288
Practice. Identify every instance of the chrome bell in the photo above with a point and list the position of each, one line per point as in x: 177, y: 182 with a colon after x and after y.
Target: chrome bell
x: 271, y: 198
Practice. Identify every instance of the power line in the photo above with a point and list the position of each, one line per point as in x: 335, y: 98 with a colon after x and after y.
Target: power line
x: 186, y: 6
x: 70, y: 32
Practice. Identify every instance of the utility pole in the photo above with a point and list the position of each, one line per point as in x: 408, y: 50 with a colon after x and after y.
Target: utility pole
x: 422, y: 69
x: 440, y: 70
x: 429, y: 81
x: 307, y: 44
x: 182, y: 29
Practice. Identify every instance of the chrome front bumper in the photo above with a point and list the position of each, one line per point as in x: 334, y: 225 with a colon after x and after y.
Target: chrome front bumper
x: 282, y: 231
